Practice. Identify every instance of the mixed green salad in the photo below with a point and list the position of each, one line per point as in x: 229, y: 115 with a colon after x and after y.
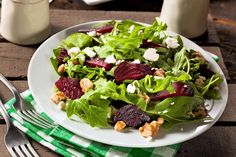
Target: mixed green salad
x: 122, y: 71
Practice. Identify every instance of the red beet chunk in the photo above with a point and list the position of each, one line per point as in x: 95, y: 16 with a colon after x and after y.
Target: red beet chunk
x: 132, y: 71
x: 70, y: 87
x: 98, y: 62
x: 63, y: 54
x: 101, y: 30
x: 204, y: 71
x: 105, y: 29
x: 160, y: 95
x: 132, y: 116
x: 182, y: 89
x: 149, y: 44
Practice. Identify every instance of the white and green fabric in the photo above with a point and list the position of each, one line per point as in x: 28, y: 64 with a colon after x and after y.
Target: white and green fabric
x: 68, y: 144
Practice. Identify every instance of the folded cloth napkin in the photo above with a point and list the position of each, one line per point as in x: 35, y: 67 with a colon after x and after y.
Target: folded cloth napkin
x: 68, y: 144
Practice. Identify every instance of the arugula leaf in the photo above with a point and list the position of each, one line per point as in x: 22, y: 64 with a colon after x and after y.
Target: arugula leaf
x: 80, y: 40
x: 179, y: 60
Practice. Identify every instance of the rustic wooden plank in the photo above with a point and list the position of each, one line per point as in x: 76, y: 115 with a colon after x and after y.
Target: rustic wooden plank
x: 229, y: 113
x: 216, y: 142
x: 15, y: 59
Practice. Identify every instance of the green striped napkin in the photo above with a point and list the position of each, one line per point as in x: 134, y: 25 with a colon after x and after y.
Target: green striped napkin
x: 68, y: 144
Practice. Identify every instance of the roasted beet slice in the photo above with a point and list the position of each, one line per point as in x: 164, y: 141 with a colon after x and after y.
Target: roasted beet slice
x: 149, y: 44
x: 204, y: 71
x: 101, y: 30
x: 63, y: 54
x: 133, y: 71
x: 160, y: 95
x: 98, y: 62
x: 132, y: 116
x: 105, y: 29
x: 182, y: 89
x: 70, y: 87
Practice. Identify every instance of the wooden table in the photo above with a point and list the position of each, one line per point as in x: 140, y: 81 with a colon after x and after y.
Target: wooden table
x: 220, y: 140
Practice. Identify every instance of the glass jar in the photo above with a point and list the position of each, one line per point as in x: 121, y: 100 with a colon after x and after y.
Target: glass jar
x: 186, y: 17
x: 25, y: 22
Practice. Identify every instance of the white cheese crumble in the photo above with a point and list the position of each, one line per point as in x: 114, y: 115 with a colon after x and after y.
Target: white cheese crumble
x: 92, y: 33
x: 151, y: 54
x: 110, y: 59
x: 131, y: 28
x: 172, y: 103
x: 131, y: 88
x: 73, y: 51
x: 89, y: 52
x: 137, y: 61
x: 172, y: 43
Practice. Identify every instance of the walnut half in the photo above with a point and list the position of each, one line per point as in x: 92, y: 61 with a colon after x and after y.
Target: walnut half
x: 151, y: 129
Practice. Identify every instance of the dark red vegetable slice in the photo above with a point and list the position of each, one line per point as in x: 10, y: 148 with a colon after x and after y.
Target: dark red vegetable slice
x: 63, y: 54
x: 132, y: 116
x: 181, y: 89
x: 101, y: 30
x: 98, y: 62
x: 160, y: 95
x: 70, y: 87
x: 133, y: 71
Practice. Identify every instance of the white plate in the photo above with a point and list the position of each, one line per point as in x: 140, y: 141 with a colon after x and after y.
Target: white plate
x: 95, y: 2
x: 41, y: 78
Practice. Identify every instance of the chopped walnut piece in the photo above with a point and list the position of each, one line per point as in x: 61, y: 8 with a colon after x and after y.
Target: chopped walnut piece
x: 200, y: 80
x: 199, y: 56
x: 58, y: 96
x: 75, y: 61
x: 200, y: 112
x: 119, y: 126
x: 61, y: 69
x: 144, y: 96
x: 151, y: 129
x: 159, y: 72
x: 86, y: 84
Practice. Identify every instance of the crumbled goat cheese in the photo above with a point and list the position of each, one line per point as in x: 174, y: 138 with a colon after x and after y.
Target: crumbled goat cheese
x: 110, y: 59
x: 151, y: 54
x: 131, y: 88
x: 92, y: 33
x: 73, y: 51
x: 89, y: 52
x: 172, y: 43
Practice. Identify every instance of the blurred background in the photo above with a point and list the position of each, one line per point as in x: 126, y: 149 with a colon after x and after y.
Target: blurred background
x: 222, y: 11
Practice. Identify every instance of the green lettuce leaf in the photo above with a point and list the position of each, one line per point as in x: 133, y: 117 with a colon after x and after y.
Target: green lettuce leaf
x: 80, y: 40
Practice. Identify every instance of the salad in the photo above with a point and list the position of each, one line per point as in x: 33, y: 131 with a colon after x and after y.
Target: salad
x: 127, y: 75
